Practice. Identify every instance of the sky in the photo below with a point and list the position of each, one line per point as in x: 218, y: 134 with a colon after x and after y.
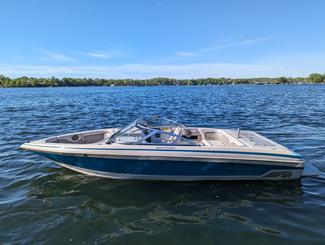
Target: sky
x: 162, y: 38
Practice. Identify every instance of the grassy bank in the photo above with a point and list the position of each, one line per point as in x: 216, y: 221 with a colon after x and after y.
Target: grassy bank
x: 75, y: 82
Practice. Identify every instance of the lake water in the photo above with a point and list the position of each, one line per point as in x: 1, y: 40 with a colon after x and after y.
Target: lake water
x: 43, y: 203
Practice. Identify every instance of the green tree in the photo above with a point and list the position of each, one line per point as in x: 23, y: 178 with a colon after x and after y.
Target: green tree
x: 316, y: 78
x: 3, y: 80
x: 283, y: 80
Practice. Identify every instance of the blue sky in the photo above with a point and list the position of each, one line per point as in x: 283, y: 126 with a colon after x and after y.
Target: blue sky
x: 162, y: 38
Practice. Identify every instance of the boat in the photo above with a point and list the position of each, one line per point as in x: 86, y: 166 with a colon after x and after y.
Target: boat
x: 157, y: 148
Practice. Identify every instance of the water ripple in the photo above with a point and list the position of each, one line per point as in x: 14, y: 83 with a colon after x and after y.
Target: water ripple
x: 41, y: 202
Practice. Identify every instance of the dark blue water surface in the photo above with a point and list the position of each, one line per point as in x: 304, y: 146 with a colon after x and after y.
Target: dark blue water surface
x: 43, y: 203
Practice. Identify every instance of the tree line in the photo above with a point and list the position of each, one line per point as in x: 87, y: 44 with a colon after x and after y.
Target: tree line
x: 74, y: 82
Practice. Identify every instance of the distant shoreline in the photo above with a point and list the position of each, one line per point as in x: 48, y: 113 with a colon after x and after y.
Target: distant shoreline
x: 6, y: 82
x: 154, y: 85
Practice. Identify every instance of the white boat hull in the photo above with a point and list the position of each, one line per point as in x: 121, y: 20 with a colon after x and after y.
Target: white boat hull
x: 168, y: 166
x: 159, y: 154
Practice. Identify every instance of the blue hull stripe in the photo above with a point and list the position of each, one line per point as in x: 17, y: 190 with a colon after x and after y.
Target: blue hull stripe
x: 161, y: 167
x: 296, y: 155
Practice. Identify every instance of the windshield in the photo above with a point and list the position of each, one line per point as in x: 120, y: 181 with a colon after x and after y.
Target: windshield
x: 151, y: 130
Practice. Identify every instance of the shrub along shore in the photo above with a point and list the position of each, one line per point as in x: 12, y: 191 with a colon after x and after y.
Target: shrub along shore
x: 314, y: 78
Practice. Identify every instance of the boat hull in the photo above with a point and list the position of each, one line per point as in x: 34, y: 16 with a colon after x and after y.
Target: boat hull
x: 171, y: 170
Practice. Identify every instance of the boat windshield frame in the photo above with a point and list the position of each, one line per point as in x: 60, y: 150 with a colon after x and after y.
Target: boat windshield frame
x: 152, y: 126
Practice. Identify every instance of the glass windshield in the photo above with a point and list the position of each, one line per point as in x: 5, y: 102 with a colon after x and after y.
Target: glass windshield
x: 151, y: 130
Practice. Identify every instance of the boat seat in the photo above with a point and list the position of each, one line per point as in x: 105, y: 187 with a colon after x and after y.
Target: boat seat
x: 92, y: 138
x: 214, y: 142
x: 217, y: 138
x: 68, y: 141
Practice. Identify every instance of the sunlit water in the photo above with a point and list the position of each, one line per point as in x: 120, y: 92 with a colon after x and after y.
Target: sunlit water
x: 41, y: 202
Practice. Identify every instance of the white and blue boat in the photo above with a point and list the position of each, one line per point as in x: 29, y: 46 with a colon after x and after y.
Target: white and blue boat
x: 155, y: 148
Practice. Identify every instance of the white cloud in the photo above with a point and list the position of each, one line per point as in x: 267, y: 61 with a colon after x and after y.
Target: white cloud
x: 186, y: 54
x: 195, y: 70
x: 99, y: 54
x: 72, y: 56
x: 298, y: 64
x: 302, y: 60
x: 238, y: 43
x: 53, y: 56
x: 103, y: 54
x: 225, y: 44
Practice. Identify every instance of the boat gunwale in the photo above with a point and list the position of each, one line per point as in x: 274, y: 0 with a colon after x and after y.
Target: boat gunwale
x: 61, y: 150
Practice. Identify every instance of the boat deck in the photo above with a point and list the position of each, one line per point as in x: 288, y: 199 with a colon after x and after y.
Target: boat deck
x: 209, y: 137
x: 229, y: 137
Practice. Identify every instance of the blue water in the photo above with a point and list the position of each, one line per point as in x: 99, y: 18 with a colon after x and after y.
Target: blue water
x: 43, y: 203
